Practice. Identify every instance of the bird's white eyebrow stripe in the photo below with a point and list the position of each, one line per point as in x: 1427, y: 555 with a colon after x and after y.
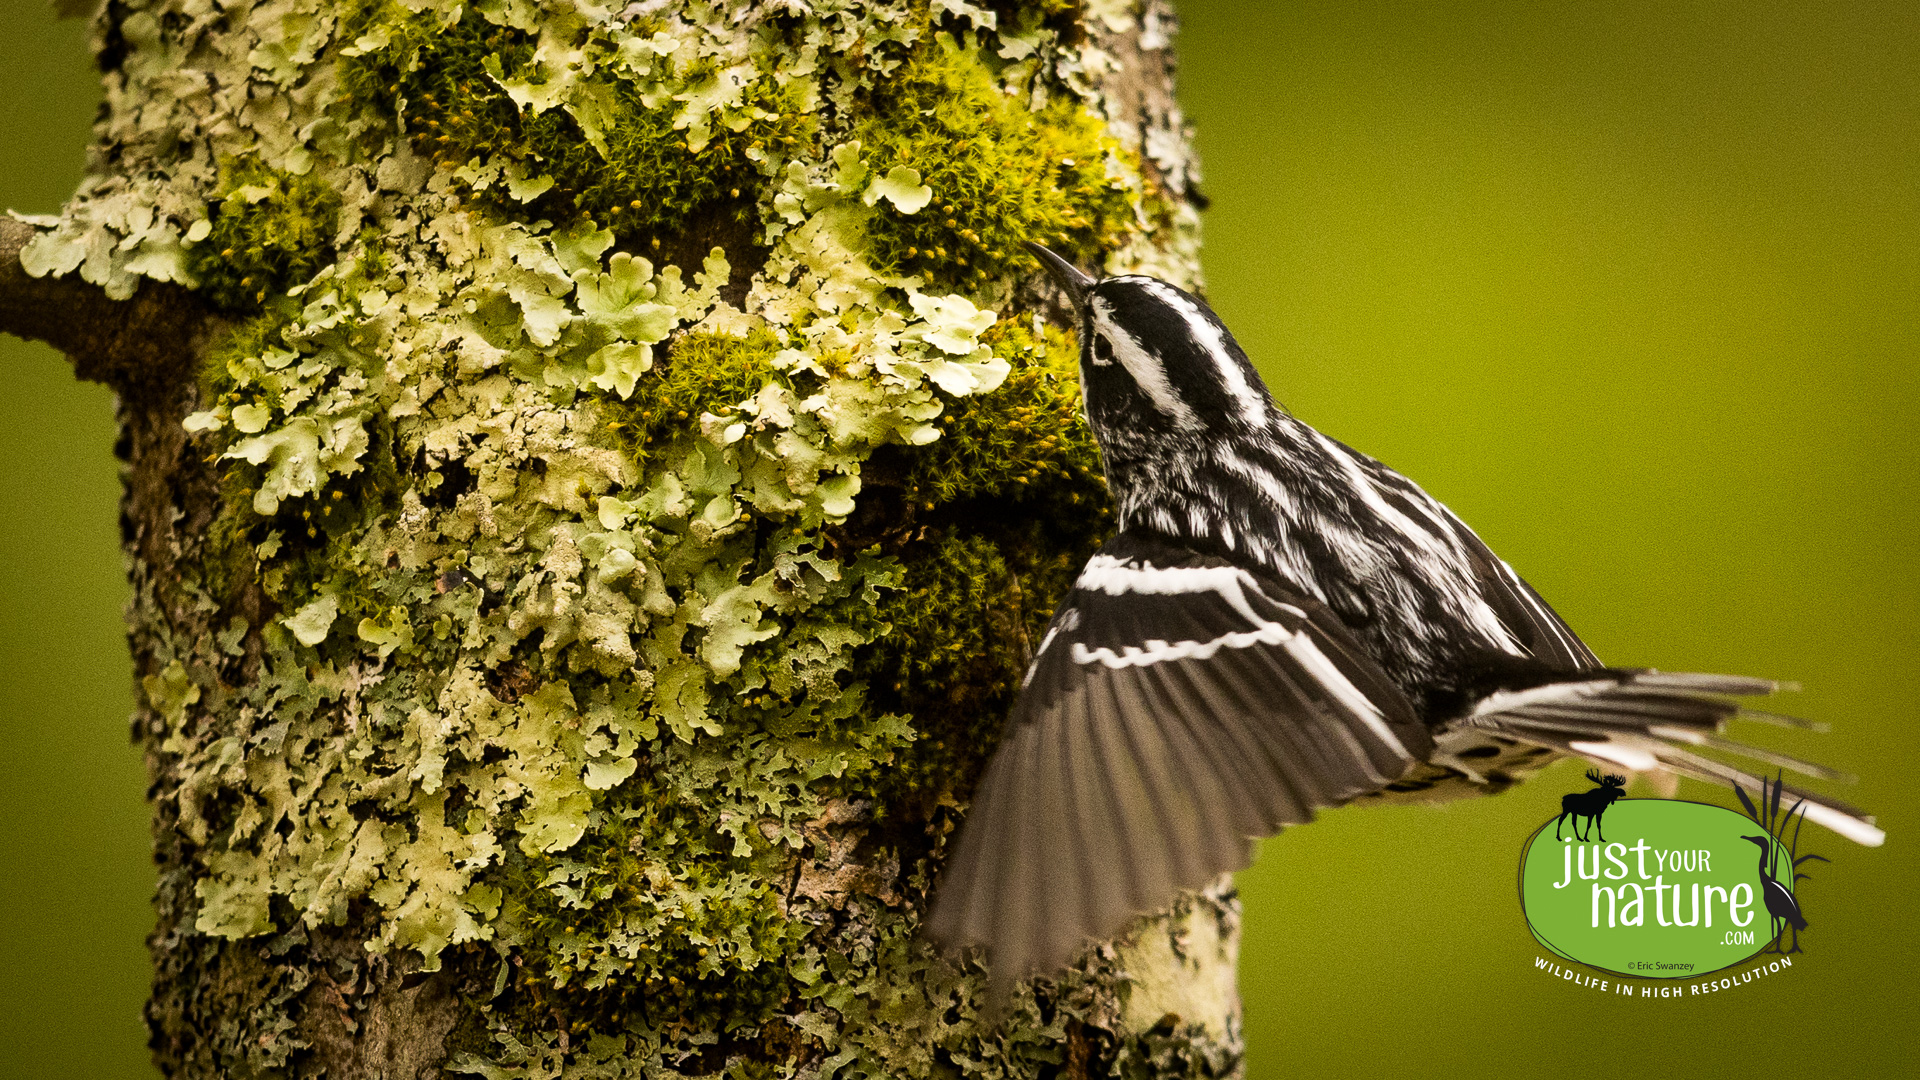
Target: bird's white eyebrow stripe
x: 1147, y: 371
x: 1206, y: 334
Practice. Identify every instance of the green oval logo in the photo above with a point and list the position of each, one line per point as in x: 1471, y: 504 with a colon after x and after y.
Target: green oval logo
x: 1674, y: 890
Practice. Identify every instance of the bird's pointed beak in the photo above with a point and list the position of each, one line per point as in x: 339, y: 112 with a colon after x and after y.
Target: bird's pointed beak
x: 1077, y: 284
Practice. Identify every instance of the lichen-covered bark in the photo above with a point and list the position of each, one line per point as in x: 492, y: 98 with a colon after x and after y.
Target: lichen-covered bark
x: 591, y: 527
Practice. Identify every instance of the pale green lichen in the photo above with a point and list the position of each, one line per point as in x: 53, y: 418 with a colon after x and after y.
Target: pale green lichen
x: 627, y: 613
x: 606, y: 120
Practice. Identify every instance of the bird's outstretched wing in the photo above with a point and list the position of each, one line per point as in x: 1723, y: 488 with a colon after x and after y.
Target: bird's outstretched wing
x: 1178, y: 706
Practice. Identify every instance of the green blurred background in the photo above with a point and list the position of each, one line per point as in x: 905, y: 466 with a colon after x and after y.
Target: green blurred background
x: 1634, y: 287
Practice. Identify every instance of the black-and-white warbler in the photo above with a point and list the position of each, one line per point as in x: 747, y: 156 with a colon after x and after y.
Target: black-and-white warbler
x: 1281, y: 624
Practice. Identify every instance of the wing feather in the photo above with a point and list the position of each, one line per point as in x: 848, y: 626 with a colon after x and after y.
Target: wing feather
x: 1178, y: 707
x: 1165, y: 799
x: 1203, y: 771
x: 1267, y: 791
x: 1126, y: 806
x: 1023, y: 922
x: 1245, y: 789
x: 1256, y: 791
x: 1098, y: 848
x: 1650, y: 720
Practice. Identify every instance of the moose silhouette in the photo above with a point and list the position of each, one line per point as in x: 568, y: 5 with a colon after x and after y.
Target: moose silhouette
x: 1590, y: 804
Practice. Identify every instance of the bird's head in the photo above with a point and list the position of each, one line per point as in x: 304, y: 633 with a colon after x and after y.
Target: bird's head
x: 1765, y: 843
x: 1155, y: 361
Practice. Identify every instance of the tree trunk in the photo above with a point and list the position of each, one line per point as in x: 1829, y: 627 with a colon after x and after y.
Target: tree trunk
x: 593, y: 478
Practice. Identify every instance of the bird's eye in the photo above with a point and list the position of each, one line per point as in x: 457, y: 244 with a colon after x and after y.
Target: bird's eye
x: 1102, y: 350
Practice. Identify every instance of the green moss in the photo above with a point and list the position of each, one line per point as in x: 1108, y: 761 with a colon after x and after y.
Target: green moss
x: 227, y: 554
x: 648, y: 179
x: 1026, y: 438
x: 227, y: 558
x: 244, y: 343
x: 645, y: 177
x: 953, y: 661
x: 271, y: 230
x: 1001, y: 173
x: 975, y: 604
x: 1012, y: 503
x: 701, y: 373
x: 309, y: 539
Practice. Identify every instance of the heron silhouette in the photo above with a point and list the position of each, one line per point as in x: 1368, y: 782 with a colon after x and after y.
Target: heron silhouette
x: 1780, y: 902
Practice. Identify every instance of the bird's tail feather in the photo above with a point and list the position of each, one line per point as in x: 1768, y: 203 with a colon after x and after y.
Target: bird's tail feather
x: 1652, y: 720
